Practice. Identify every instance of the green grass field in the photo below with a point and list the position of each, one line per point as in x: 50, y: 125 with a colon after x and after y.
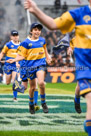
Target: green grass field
x: 37, y: 133
x: 62, y: 120
x: 51, y: 88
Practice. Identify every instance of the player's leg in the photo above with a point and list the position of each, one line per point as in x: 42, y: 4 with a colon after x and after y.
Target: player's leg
x: 36, y: 96
x: 36, y: 93
x: 8, y: 74
x: 14, y: 92
x: 8, y: 81
x: 40, y: 77
x: 85, y: 91
x: 88, y: 114
x: 8, y: 78
x: 25, y: 83
x: 32, y: 84
x: 45, y: 73
x: 77, y: 99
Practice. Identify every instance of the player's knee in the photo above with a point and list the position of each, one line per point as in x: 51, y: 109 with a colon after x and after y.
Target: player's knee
x: 33, y: 88
x: 41, y: 84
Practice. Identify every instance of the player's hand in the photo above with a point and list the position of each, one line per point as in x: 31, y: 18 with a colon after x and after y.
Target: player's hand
x: 69, y: 51
x: 2, y: 61
x: 49, y: 59
x: 30, y: 5
x: 10, y: 61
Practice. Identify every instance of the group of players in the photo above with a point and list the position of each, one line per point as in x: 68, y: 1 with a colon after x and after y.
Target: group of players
x: 30, y: 57
x: 33, y: 50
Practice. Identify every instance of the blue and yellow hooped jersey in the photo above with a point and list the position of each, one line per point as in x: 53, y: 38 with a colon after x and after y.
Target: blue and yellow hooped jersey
x: 10, y: 50
x: 80, y: 20
x: 33, y: 51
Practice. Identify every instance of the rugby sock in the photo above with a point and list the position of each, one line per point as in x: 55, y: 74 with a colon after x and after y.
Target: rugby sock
x: 36, y: 96
x: 42, y: 98
x: 31, y: 100
x: 14, y: 94
x: 77, y: 99
x: 87, y: 127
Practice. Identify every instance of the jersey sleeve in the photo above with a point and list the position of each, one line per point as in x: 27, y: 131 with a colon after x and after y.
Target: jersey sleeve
x: 44, y: 44
x: 5, y: 49
x: 65, y: 23
x: 75, y: 13
x: 22, y: 49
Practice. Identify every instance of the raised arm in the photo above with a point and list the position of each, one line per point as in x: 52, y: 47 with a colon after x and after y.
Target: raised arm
x: 43, y: 18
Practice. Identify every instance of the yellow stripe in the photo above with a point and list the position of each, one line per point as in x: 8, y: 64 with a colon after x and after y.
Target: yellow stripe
x: 35, y: 57
x: 22, y: 51
x: 32, y: 54
x: 83, y: 37
x: 35, y: 53
x: 21, y: 54
x: 36, y: 90
x: 42, y: 99
x: 65, y: 23
x: 31, y: 100
x: 85, y: 91
x: 12, y: 53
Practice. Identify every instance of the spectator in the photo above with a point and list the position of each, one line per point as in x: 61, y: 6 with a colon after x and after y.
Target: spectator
x: 18, y: 2
x: 57, y: 4
x: 2, y: 13
x: 64, y: 7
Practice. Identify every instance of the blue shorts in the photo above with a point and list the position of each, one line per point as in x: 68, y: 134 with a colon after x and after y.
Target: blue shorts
x: 23, y: 74
x: 85, y: 86
x: 31, y: 73
x: 9, y: 68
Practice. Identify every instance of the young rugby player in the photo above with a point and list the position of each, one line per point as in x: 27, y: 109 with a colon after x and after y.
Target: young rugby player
x: 10, y: 50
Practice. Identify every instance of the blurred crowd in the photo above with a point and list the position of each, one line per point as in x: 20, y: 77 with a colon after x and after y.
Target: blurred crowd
x: 62, y: 59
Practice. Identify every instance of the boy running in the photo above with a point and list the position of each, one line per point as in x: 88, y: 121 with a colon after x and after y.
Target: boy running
x: 33, y: 50
x: 10, y: 50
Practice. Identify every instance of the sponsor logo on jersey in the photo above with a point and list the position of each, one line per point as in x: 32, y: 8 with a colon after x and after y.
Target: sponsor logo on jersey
x: 87, y: 18
x: 41, y: 43
x: 30, y: 44
x: 12, y: 46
